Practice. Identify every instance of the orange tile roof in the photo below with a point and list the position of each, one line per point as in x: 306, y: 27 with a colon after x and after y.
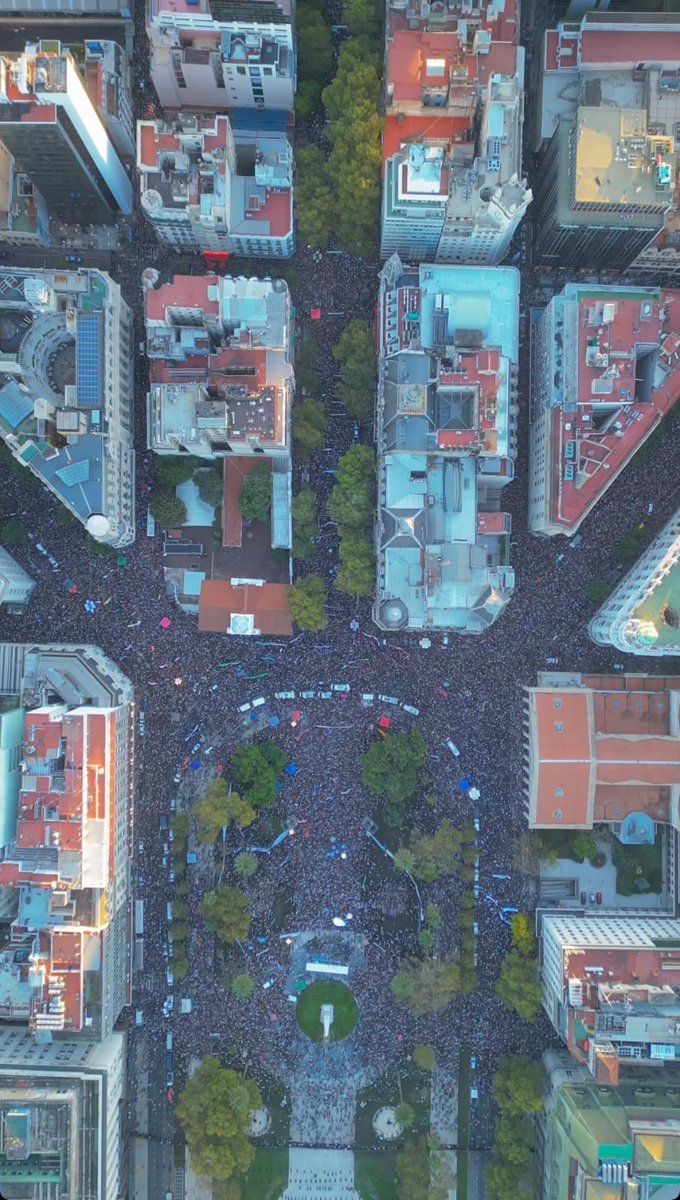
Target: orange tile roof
x: 268, y: 604
x: 182, y: 291
x: 407, y: 55
x: 415, y: 129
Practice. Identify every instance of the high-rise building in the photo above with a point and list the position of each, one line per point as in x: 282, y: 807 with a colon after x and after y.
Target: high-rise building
x: 66, y: 392
x: 205, y: 186
x: 446, y: 432
x: 65, y: 967
x: 605, y: 371
x: 611, y: 988
x: 106, y: 73
x: 603, y: 749
x: 62, y: 1117
x: 608, y: 1143
x: 223, y: 54
x: 605, y: 188
x: 16, y: 584
x: 56, y: 135
x: 24, y: 219
x: 642, y: 614
x: 615, y: 61
x: 452, y: 146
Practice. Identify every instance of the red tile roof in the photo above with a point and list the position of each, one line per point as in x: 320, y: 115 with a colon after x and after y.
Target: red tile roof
x: 268, y: 604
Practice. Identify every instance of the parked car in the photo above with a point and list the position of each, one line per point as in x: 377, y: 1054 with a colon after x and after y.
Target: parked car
x: 598, y: 897
x: 584, y: 897
x: 452, y: 747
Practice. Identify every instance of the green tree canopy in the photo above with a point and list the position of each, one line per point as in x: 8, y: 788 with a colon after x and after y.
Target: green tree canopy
x: 307, y: 358
x: 357, y: 566
x: 219, y: 806
x: 307, y: 99
x: 518, y: 987
x: 351, y: 500
x: 413, y: 1170
x: 305, y: 524
x: 404, y: 859
x: 355, y: 82
x: 173, y: 469
x: 214, y: 1111
x: 504, y: 1181
x: 355, y: 353
x: 522, y: 935
x: 363, y: 18
x: 315, y: 203
x: 13, y: 532
x: 405, y: 1114
x: 255, y: 500
x: 246, y: 864
x: 167, y: 508
x: 436, y: 853
x: 309, y: 424
x: 390, y: 768
x: 243, y: 985
x: 518, y: 1086
x: 256, y: 768
x: 210, y: 486
x: 426, y: 985
x: 227, y: 914
x: 314, y: 43
x: 307, y: 601
x: 424, y: 1056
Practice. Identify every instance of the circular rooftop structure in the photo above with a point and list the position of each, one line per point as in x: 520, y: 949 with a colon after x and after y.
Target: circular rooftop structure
x: 637, y: 829
x: 98, y: 525
x: 393, y: 614
x: 152, y: 200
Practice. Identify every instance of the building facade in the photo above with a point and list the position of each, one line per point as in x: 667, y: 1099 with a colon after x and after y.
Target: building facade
x: 24, y: 219
x: 107, y: 78
x: 641, y: 616
x: 16, y: 585
x: 452, y: 147
x: 67, y: 392
x: 223, y: 56
x: 206, y: 188
x: 446, y: 432
x: 610, y: 989
x: 57, y: 137
x: 604, y: 372
x: 65, y: 966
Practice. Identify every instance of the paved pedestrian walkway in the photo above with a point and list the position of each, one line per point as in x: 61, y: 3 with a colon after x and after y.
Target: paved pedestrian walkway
x: 320, y: 1175
x: 323, y: 1114
x: 444, y: 1117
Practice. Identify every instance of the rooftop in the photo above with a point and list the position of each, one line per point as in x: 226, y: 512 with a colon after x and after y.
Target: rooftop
x: 244, y: 608
x: 603, y: 750
x: 610, y: 373
x: 619, y: 163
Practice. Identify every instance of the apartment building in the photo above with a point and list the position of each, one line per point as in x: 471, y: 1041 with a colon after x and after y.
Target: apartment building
x: 604, y: 372
x: 67, y: 392
x: 57, y: 136
x: 24, y: 219
x: 211, y: 55
x: 16, y: 585
x: 206, y: 187
x: 446, y: 432
x: 453, y: 189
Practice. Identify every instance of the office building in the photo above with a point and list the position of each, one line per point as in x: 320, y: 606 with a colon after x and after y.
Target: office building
x: 608, y: 1143
x: 62, y: 1117
x: 605, y: 371
x: 16, y: 585
x: 24, y: 220
x: 66, y: 392
x: 611, y: 990
x: 602, y: 749
x: 452, y: 146
x: 446, y: 431
x: 58, y: 139
x: 641, y: 616
x: 211, y: 55
x: 107, y: 77
x: 221, y: 388
x: 205, y: 187
x: 65, y: 966
x: 623, y: 63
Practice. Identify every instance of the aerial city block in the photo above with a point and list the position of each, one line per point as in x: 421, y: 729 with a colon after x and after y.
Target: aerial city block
x: 339, y: 599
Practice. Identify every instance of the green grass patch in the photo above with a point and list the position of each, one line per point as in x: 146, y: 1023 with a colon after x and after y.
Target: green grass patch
x: 374, y: 1175
x: 408, y: 1083
x: 464, y: 1077
x: 637, y: 866
x: 331, y: 991
x: 267, y: 1179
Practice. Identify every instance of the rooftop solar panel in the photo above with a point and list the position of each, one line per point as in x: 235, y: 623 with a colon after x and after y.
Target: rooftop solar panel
x: 15, y: 405
x: 74, y: 473
x: 89, y: 367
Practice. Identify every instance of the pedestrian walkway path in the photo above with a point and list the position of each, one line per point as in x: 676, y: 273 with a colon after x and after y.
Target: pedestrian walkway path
x: 444, y: 1117
x: 320, y: 1175
x: 323, y: 1114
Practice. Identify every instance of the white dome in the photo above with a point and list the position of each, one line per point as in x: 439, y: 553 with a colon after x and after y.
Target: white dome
x: 98, y: 525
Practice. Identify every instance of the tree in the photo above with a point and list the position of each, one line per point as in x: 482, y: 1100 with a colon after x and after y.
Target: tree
x: 504, y: 1181
x: 390, y: 768
x: 242, y: 985
x: 363, y: 18
x: 404, y: 859
x: 210, y: 486
x: 180, y: 826
x: 357, y: 566
x: 436, y: 853
x: 584, y: 846
x: 314, y: 43
x: 405, y: 1114
x: 179, y: 909
x: 424, y: 1056
x: 13, y: 532
x: 213, y: 811
x: 356, y: 354
x: 305, y: 525
x: 274, y: 756
x: 518, y: 1086
x: 255, y: 500
x: 413, y: 1170
x: 227, y: 914
x: 356, y: 81
x: 246, y: 864
x: 315, y: 201
x: 167, y: 508
x: 307, y: 602
x: 214, y: 1111
x: 307, y: 99
x: 433, y: 915
x: 309, y: 425
x: 426, y: 985
x: 307, y: 359
x: 351, y: 501
x: 521, y: 934
x: 518, y: 987
x: 180, y: 968
x: 256, y: 767
x: 173, y: 469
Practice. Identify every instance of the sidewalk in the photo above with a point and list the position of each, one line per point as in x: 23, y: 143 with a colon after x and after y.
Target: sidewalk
x: 444, y: 1116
